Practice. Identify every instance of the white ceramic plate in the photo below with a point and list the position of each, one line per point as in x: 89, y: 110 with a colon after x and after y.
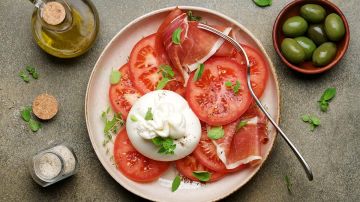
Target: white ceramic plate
x: 115, y: 55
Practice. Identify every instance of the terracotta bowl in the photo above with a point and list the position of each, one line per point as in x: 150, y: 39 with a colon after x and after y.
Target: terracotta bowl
x: 293, y: 9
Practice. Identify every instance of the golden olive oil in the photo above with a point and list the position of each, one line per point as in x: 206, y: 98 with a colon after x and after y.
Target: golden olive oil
x: 76, y: 38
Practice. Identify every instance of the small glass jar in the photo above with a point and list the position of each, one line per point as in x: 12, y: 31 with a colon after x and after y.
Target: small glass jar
x: 53, y: 164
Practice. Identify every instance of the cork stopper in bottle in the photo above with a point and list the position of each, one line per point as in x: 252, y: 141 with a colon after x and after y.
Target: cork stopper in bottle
x: 53, y: 13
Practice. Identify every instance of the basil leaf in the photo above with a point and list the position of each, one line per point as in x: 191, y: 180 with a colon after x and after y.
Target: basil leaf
x: 199, y: 72
x: 240, y: 125
x: 324, y: 106
x: 216, y: 133
x: 176, y: 183
x: 328, y: 94
x: 288, y: 183
x: 24, y: 77
x: 115, y: 77
x: 34, y: 125
x: 133, y: 118
x: 228, y: 83
x: 192, y: 17
x: 315, y: 121
x: 32, y: 71
x: 263, y: 3
x: 167, y: 71
x: 157, y: 141
x: 305, y: 118
x: 312, y: 120
x: 203, y: 176
x: 236, y: 87
x: 149, y: 115
x: 162, y: 83
x: 26, y: 114
x: 176, y: 36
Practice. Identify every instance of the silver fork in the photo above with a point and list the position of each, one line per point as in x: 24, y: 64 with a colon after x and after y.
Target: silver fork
x: 241, y: 49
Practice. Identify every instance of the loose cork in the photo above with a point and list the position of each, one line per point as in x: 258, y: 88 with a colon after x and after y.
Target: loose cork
x: 53, y: 13
x: 45, y: 106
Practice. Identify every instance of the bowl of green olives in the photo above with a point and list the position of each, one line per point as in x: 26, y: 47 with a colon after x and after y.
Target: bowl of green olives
x: 311, y: 36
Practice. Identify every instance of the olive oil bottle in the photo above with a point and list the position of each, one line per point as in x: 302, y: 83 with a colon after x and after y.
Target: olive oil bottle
x: 64, y: 28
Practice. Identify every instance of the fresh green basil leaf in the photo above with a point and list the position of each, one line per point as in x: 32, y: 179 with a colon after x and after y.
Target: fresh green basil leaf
x: 192, y: 17
x: 26, y: 113
x: 149, y: 115
x: 199, y: 72
x: 32, y: 71
x: 115, y: 77
x: 324, y: 106
x: 162, y: 83
x: 24, y: 76
x: 133, y: 118
x: 288, y: 183
x: 176, y: 183
x: 305, y: 118
x: 315, y: 121
x: 236, y: 87
x: 167, y: 71
x: 328, y: 94
x: 216, y: 133
x: 157, y: 141
x: 176, y: 36
x: 263, y: 3
x: 228, y: 83
x: 203, y: 176
x: 34, y: 125
x: 240, y: 125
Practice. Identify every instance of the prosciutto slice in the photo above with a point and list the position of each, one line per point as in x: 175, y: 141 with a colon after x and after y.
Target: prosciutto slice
x: 196, y: 45
x: 243, y: 146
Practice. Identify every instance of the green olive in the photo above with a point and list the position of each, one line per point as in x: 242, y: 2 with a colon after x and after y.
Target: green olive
x: 334, y: 27
x: 292, y: 51
x: 307, y: 44
x: 317, y: 33
x: 295, y: 26
x: 313, y: 13
x: 324, y: 54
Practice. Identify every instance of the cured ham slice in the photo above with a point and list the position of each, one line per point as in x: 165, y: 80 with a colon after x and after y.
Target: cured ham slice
x: 243, y: 146
x: 196, y: 45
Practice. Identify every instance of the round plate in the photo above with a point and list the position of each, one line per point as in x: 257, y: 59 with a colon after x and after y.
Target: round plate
x: 115, y: 55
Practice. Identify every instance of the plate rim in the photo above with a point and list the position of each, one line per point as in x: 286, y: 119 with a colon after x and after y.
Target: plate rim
x: 167, y: 9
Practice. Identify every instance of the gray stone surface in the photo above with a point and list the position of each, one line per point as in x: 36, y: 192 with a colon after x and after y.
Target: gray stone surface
x: 332, y: 149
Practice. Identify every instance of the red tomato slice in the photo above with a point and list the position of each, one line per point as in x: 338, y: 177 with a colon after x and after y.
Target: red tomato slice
x: 144, y: 72
x: 134, y: 165
x: 206, y: 153
x: 259, y: 70
x: 123, y: 95
x: 187, y: 165
x: 211, y: 100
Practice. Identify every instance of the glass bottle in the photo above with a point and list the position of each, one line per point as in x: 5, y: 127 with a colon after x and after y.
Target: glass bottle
x: 53, y: 164
x: 64, y: 28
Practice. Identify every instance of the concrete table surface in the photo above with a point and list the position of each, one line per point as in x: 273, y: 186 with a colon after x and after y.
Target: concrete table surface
x: 332, y: 149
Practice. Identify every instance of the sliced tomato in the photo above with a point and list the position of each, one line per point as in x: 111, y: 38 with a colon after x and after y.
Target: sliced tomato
x: 134, y: 165
x: 123, y: 94
x: 144, y: 67
x: 206, y: 153
x: 211, y: 100
x: 259, y: 70
x: 187, y: 165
